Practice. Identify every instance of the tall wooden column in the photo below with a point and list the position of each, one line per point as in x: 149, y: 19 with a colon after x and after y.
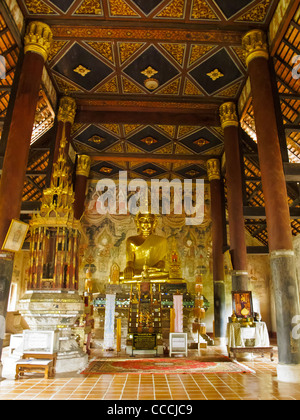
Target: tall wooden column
x: 238, y: 250
x: 214, y: 177
x: 82, y: 174
x: 276, y: 205
x: 37, y: 42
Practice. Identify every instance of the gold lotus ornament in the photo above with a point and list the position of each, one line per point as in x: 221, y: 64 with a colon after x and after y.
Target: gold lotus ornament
x: 150, y: 83
x: 215, y: 74
x: 83, y: 71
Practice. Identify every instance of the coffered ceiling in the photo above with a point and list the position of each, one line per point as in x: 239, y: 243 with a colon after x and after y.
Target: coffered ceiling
x: 148, y: 78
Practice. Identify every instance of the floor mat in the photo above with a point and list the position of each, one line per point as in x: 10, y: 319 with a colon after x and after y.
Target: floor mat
x: 163, y: 366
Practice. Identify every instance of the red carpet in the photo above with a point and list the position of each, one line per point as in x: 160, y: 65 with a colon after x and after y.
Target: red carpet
x: 163, y: 366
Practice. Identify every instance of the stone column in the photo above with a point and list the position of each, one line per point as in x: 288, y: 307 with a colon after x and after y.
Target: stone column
x: 238, y: 250
x: 214, y: 177
x: 82, y: 174
x: 37, y: 42
x: 282, y: 261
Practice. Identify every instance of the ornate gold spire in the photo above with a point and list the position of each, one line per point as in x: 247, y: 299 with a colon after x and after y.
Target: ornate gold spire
x: 57, y: 201
x: 83, y: 165
x: 67, y: 109
x: 255, y: 45
x: 38, y: 39
x: 213, y: 169
x: 228, y: 114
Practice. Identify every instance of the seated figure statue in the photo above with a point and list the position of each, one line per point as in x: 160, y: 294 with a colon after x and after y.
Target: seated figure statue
x: 146, y: 251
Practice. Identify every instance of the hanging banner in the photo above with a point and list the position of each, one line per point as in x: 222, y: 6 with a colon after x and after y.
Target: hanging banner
x: 109, y: 324
x: 178, y: 308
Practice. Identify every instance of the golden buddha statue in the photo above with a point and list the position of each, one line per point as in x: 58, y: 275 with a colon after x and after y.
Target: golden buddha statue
x: 146, y: 253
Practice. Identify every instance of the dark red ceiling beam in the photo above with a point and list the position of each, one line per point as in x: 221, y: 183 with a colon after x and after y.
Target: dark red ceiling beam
x: 201, y: 118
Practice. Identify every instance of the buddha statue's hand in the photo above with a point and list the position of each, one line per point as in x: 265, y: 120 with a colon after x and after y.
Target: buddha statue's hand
x: 128, y: 272
x: 160, y: 265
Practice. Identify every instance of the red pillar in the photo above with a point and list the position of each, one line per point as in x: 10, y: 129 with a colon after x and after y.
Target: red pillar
x: 238, y: 250
x: 216, y: 192
x: 276, y: 205
x: 82, y: 173
x: 37, y: 44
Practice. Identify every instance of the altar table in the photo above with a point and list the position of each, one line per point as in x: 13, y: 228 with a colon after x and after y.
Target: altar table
x: 253, y: 339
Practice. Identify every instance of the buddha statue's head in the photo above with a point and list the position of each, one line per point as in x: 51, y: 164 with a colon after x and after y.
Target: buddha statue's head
x: 145, y: 223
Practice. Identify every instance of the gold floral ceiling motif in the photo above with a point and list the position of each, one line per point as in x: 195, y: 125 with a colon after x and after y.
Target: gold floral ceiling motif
x: 83, y: 71
x: 96, y: 139
x: 215, y: 74
x: 149, y: 72
x: 149, y: 140
x: 201, y: 142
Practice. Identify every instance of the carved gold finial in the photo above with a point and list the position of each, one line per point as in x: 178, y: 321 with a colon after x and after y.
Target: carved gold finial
x: 83, y: 165
x: 67, y: 109
x: 213, y: 169
x: 228, y: 114
x: 38, y: 39
x: 255, y: 45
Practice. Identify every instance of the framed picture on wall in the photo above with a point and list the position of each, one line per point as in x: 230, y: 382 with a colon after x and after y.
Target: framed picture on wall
x: 15, y: 236
x: 242, y: 304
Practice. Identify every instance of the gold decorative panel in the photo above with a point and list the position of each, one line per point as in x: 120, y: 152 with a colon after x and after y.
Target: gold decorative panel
x: 90, y: 7
x: 202, y: 10
x: 177, y: 51
x: 38, y: 7
x: 174, y: 10
x: 197, y: 51
x: 127, y: 49
x: 111, y: 86
x: 257, y: 13
x: 120, y: 8
x: 104, y: 49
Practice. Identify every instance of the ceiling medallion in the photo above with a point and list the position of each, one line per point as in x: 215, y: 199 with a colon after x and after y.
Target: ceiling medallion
x: 105, y: 170
x: 149, y: 140
x: 149, y: 72
x: 96, y: 139
x: 200, y: 142
x: 150, y: 82
x: 149, y: 171
x: 192, y: 172
x: 83, y: 71
x: 215, y: 74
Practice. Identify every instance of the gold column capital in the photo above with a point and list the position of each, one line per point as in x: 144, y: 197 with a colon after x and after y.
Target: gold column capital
x: 213, y: 169
x: 228, y: 115
x: 255, y: 45
x: 38, y: 39
x: 83, y: 165
x: 66, y: 110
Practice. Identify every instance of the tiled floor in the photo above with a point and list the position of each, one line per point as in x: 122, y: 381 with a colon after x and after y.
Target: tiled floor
x: 226, y: 386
